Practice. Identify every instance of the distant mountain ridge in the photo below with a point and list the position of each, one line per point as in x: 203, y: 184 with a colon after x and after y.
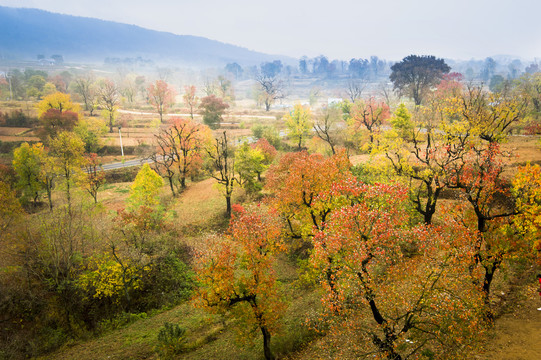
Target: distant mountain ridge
x: 26, y: 33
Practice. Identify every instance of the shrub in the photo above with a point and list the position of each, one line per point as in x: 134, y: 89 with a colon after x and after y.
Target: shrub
x: 171, y: 341
x: 16, y: 119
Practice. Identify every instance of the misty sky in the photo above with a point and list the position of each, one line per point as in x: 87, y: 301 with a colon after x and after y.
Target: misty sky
x: 343, y: 29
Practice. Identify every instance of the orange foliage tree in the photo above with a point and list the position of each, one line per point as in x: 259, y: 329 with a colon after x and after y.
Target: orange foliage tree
x: 162, y: 96
x: 236, y: 274
x: 478, y: 175
x: 296, y: 182
x: 180, y: 150
x: 370, y: 114
x: 404, y: 290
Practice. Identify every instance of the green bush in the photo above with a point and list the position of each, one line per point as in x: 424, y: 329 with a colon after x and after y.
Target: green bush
x: 167, y: 283
x: 268, y: 132
x: 171, y: 341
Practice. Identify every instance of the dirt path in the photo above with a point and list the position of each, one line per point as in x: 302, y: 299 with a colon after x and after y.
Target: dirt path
x: 517, y: 333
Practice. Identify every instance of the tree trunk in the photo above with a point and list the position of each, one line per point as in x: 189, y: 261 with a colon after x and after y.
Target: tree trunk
x: 171, y: 185
x: 481, y: 224
x: 490, y: 270
x: 266, y: 344
x: 228, y: 205
x: 49, y: 197
x: 183, y: 181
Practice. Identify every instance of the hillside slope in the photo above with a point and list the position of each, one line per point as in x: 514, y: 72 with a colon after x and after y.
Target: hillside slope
x: 25, y: 33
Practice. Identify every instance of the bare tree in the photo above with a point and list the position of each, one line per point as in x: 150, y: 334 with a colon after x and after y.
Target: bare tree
x: 272, y: 89
x: 355, y: 89
x: 223, y: 168
x: 325, y: 125
x: 209, y: 87
x: 85, y: 87
x: 385, y: 91
x: 108, y: 98
x: 190, y: 100
x: 128, y: 87
x: 163, y: 161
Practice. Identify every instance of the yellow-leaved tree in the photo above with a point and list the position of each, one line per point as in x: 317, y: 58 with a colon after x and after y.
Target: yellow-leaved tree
x: 145, y: 188
x: 58, y: 101
x: 527, y: 191
x: 299, y: 123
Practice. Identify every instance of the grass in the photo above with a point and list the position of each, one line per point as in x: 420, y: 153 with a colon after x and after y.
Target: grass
x: 200, y: 208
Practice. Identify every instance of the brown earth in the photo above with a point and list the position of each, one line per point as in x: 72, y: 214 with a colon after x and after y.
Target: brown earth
x: 517, y: 333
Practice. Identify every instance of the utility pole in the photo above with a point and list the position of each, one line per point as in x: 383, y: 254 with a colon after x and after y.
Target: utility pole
x: 121, y: 147
x: 10, y: 90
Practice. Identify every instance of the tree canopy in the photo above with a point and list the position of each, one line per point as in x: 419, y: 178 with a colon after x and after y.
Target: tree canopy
x: 414, y: 75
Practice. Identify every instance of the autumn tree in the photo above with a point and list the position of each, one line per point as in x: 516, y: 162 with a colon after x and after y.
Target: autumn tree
x: 489, y: 116
x: 415, y: 75
x: 296, y: 183
x: 271, y: 87
x: 181, y: 150
x: 67, y: 151
x: 325, y: 125
x: 212, y: 109
x: 108, y: 98
x: 48, y: 176
x: 249, y: 166
x: 401, y: 122
x: 190, y: 99
x: 58, y: 101
x: 527, y: 192
x: 90, y: 130
x: 93, y: 178
x: 35, y: 86
x: 267, y: 132
x: 222, y: 168
x: 145, y: 188
x: 449, y: 86
x: 10, y: 211
x: 299, y: 123
x: 268, y: 151
x: 27, y: 163
x: 85, y: 87
x: 369, y: 114
x: 402, y: 291
x: 422, y: 149
x: 54, y: 121
x: 162, y: 96
x: 478, y: 174
x: 132, y: 246
x: 163, y: 162
x: 236, y: 275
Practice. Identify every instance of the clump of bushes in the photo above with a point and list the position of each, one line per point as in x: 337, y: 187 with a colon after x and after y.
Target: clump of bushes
x: 171, y: 341
x: 17, y: 119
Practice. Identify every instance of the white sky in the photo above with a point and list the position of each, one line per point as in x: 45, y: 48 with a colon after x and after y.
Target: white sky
x: 390, y: 29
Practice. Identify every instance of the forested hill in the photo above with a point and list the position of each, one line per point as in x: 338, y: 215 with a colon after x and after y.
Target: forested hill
x: 26, y: 33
